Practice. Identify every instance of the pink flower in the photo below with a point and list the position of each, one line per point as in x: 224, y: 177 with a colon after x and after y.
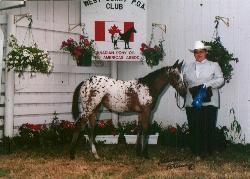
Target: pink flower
x: 77, y: 51
x: 70, y: 41
x: 81, y: 37
x: 86, y: 42
x: 63, y: 44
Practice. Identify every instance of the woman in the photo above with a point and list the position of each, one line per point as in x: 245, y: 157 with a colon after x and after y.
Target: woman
x: 202, y: 120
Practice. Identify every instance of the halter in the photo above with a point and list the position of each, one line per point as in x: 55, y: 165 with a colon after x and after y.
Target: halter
x: 177, y: 94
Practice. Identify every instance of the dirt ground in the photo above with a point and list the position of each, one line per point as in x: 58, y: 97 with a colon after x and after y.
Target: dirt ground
x: 121, y: 162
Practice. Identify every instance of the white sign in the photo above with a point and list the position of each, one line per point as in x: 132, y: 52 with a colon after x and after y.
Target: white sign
x: 117, y: 26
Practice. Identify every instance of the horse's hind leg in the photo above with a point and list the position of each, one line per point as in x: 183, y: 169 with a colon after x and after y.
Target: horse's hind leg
x: 80, y: 125
x: 92, y: 123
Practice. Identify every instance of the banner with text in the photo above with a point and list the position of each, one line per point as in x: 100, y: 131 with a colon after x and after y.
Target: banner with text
x: 117, y: 26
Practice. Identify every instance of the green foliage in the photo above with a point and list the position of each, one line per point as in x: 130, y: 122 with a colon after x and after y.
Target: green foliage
x: 4, y: 172
x: 234, y: 135
x: 218, y: 53
x: 38, y: 135
x: 174, y: 136
x: 132, y: 128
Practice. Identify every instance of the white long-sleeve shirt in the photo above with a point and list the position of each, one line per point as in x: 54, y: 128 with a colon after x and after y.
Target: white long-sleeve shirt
x: 205, y: 72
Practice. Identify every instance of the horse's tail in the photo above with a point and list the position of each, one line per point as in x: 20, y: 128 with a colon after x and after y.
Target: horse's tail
x: 75, y: 107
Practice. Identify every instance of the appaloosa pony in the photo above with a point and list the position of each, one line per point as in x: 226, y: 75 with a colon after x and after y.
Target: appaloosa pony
x: 138, y: 96
x: 126, y: 36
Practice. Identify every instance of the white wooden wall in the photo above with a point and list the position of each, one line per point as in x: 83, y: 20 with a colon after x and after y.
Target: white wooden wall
x: 37, y: 98
x: 188, y: 21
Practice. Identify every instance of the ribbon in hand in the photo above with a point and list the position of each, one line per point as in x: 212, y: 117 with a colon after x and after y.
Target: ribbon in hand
x: 200, y: 94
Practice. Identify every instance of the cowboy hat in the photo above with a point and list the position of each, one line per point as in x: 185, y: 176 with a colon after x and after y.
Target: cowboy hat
x: 199, y: 45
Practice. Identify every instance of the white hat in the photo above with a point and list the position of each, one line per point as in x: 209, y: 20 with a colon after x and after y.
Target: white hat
x: 199, y: 45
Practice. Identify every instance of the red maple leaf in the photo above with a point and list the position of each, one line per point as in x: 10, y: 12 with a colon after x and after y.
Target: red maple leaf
x: 114, y: 29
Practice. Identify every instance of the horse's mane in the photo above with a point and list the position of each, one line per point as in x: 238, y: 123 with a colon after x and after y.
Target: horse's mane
x: 149, y: 78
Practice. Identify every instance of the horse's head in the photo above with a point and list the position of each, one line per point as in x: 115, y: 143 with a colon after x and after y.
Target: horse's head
x: 176, y: 78
x: 132, y: 29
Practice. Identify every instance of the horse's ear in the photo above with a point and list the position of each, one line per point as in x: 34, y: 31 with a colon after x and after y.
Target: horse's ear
x: 176, y: 64
x: 180, y: 65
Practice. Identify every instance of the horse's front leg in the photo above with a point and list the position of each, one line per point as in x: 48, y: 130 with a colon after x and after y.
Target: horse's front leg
x: 80, y: 125
x: 92, y: 123
x: 143, y: 139
x: 139, y: 138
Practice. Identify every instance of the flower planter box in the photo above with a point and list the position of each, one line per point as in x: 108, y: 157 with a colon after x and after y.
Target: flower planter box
x: 84, y: 60
x: 106, y: 139
x: 131, y: 139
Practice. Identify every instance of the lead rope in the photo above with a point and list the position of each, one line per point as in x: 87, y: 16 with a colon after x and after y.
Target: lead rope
x: 177, y: 98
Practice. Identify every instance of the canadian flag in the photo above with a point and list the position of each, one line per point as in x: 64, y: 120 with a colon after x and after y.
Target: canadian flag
x: 102, y: 29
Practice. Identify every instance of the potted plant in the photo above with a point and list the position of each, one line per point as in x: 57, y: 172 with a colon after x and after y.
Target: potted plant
x: 22, y: 58
x: 82, y: 51
x: 177, y: 136
x: 218, y: 53
x: 153, y: 55
x: 30, y: 134
x: 130, y: 130
x: 105, y: 132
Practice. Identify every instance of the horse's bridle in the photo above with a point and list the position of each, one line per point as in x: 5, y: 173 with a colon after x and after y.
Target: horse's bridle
x: 177, y: 94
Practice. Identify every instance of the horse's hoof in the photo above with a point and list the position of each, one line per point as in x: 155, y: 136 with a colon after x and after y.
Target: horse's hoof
x: 96, y: 156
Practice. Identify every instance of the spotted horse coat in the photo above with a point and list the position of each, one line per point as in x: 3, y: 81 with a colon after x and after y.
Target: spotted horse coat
x: 138, y: 95
x: 116, y: 95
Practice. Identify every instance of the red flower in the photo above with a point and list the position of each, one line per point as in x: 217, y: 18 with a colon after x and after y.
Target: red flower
x: 63, y: 44
x: 101, y: 124
x: 34, y: 127
x: 143, y: 45
x: 173, y: 130
x: 77, y: 51
x: 81, y: 37
x: 67, y: 124
x: 86, y: 42
x: 70, y: 41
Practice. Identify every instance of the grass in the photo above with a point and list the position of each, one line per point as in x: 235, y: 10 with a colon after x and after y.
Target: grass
x: 120, y: 161
x: 4, y: 172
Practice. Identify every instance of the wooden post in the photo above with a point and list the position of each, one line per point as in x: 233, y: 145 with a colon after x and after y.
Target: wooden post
x: 1, y: 69
x: 9, y: 86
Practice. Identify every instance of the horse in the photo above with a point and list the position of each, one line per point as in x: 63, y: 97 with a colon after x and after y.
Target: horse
x: 126, y: 36
x: 138, y: 95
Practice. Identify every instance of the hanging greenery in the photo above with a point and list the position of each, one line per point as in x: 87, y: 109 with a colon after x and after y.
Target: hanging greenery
x: 218, y: 53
